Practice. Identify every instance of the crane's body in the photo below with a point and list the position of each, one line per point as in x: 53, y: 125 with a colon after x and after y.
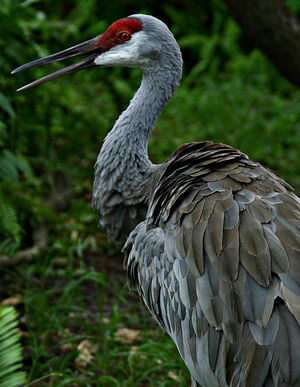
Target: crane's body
x: 212, y: 238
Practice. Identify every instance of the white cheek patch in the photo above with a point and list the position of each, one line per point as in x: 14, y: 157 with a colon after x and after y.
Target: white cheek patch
x: 126, y: 54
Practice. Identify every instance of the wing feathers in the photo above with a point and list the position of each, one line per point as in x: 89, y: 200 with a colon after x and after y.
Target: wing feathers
x: 254, y: 252
x: 266, y: 336
x: 280, y: 260
x: 293, y: 302
x: 218, y: 252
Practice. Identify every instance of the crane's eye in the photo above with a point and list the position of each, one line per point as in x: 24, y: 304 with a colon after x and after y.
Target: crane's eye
x: 123, y: 36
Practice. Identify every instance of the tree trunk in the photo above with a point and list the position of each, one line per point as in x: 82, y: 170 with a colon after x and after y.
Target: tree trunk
x: 274, y: 29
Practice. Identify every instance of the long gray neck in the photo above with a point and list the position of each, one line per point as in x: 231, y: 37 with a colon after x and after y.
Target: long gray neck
x: 131, y: 131
x: 124, y: 172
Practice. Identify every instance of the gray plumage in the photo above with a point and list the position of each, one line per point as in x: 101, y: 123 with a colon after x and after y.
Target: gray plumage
x: 214, y: 251
x: 123, y: 173
x: 231, y: 287
x: 212, y: 238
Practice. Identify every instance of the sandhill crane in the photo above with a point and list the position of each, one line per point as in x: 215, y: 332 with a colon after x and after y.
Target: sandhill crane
x: 212, y: 238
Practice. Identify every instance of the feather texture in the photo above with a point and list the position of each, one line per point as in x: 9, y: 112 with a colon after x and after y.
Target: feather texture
x: 217, y: 263
x: 213, y: 238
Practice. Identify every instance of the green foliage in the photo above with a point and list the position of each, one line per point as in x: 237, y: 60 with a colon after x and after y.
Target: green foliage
x: 229, y: 93
x: 9, y: 223
x: 10, y: 349
x: 45, y: 129
x: 74, y: 301
x: 294, y: 6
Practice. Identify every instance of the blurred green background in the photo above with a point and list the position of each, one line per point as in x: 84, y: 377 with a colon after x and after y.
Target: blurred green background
x: 49, y: 140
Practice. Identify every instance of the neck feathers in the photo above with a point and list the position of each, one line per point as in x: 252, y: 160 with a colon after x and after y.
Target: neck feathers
x: 123, y: 171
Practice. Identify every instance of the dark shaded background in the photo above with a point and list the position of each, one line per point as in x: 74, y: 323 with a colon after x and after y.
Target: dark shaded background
x: 50, y: 136
x: 53, y: 256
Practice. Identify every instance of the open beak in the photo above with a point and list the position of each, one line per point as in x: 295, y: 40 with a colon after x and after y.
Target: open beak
x: 92, y: 46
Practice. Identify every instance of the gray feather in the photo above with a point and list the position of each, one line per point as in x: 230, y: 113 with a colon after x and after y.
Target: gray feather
x: 267, y: 335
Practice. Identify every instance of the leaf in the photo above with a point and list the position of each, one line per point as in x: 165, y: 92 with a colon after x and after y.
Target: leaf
x: 9, y: 220
x: 191, y: 41
x: 10, y: 349
x: 8, y: 246
x: 6, y: 106
x: 8, y: 169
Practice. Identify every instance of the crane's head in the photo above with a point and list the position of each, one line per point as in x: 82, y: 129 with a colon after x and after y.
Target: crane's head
x: 140, y: 41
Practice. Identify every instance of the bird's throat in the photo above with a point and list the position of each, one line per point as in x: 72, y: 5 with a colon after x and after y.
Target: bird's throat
x: 123, y: 171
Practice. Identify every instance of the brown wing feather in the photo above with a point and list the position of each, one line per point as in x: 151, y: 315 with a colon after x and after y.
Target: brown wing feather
x: 223, y: 238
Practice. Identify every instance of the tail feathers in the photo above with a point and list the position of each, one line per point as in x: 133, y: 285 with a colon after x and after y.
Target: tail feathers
x: 250, y: 359
x: 195, y: 383
x: 285, y: 352
x: 275, y: 365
